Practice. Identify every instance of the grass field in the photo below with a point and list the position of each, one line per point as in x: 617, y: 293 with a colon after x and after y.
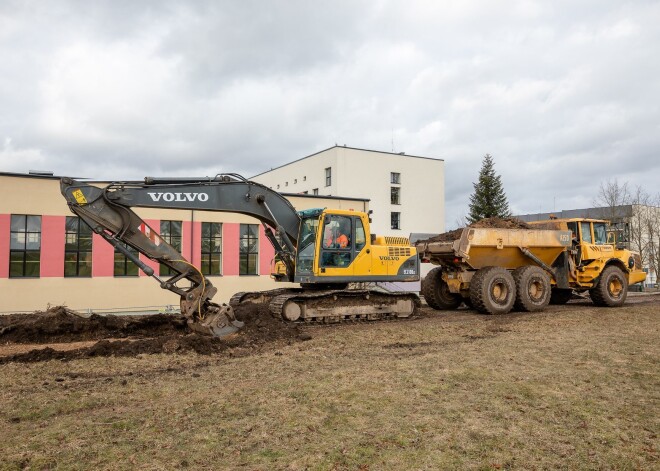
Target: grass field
x: 573, y: 388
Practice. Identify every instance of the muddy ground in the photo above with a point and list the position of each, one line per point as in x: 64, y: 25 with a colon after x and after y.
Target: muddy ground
x: 49, y: 335
x: 499, y: 223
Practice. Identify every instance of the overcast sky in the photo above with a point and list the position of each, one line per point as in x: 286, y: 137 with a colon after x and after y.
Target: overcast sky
x: 563, y: 94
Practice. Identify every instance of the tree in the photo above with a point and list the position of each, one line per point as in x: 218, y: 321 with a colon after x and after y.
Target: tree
x: 488, y: 199
x: 611, y: 196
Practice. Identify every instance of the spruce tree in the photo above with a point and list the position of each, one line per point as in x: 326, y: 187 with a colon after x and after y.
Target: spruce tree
x: 488, y: 199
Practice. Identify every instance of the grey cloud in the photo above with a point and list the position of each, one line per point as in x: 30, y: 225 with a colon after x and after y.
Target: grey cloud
x: 562, y: 94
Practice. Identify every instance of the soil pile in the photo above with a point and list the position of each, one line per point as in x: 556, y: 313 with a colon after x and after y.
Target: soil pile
x: 60, y: 324
x: 495, y: 222
x: 132, y: 335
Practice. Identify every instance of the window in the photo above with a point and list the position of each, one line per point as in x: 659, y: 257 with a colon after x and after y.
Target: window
x: 305, y: 178
x: 286, y: 183
x: 295, y: 180
x: 395, y: 194
x: 211, y: 248
x: 328, y: 176
x: 248, y: 249
x: 123, y: 265
x: 315, y: 191
x: 170, y: 232
x: 77, y: 248
x: 600, y: 233
x: 396, y: 220
x: 278, y: 187
x: 337, y: 242
x: 24, y: 246
x: 360, y: 237
x: 586, y: 232
x: 395, y: 178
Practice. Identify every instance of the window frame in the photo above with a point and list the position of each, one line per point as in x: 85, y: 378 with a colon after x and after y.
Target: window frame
x: 25, y: 251
x: 398, y: 213
x: 247, y: 252
x: 204, y: 254
x: 77, y: 251
x: 395, y: 178
x: 328, y: 176
x: 395, y: 190
x: 175, y: 241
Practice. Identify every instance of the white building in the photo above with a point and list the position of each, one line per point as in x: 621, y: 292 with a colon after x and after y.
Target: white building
x: 406, y: 192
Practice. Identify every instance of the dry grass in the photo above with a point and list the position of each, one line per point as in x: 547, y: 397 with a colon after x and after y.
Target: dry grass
x: 573, y: 388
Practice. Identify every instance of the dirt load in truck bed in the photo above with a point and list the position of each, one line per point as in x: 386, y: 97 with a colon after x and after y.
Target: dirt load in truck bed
x: 498, y: 223
x: 48, y: 335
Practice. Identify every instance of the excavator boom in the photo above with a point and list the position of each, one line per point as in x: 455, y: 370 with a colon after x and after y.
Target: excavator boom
x: 108, y: 212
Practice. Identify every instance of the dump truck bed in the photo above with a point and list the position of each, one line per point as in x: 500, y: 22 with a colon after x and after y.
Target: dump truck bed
x: 483, y: 247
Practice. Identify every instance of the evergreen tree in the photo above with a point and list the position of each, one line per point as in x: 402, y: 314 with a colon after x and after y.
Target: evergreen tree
x: 488, y: 199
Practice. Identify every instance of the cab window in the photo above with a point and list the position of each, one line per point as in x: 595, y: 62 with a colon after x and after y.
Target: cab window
x: 360, y: 237
x: 586, y: 232
x: 600, y: 233
x: 572, y: 226
x: 337, y: 242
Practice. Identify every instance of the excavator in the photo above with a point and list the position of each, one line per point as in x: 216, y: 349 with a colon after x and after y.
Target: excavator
x: 322, y: 250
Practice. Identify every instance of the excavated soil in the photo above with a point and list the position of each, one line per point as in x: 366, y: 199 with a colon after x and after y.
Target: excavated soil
x: 498, y: 223
x: 134, y: 335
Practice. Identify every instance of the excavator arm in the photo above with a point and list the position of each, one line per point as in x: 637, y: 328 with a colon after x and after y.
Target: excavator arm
x: 107, y: 210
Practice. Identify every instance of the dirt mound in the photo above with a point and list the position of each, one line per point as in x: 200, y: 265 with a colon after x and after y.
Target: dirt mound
x: 169, y: 335
x: 59, y: 324
x: 498, y: 223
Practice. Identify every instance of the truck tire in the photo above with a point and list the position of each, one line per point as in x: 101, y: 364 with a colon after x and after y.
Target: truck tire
x: 560, y: 296
x: 532, y: 288
x: 612, y: 288
x: 492, y: 290
x: 436, y: 292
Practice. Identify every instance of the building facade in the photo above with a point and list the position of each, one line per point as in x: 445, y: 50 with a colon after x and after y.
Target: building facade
x: 48, y: 257
x: 406, y: 193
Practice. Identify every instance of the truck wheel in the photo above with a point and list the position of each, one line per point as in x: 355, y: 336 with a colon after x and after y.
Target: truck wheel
x: 560, y: 296
x: 612, y: 288
x: 436, y: 291
x: 532, y: 288
x: 492, y: 290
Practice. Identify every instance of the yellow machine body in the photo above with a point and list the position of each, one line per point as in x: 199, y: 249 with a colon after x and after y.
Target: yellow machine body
x: 360, y: 257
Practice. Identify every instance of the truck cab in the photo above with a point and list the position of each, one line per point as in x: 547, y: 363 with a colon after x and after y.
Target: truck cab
x: 593, y: 248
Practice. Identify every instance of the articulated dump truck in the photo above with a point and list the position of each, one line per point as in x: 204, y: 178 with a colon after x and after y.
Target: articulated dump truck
x: 495, y: 270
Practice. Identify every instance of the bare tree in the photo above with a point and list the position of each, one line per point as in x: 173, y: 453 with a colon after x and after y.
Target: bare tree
x: 653, y: 234
x: 612, y: 195
x: 642, y: 212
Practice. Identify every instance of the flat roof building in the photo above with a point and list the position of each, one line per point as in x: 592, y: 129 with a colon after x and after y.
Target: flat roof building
x: 406, y: 193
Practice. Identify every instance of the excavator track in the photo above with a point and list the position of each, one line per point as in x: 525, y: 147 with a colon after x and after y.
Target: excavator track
x: 331, y: 306
x: 334, y: 306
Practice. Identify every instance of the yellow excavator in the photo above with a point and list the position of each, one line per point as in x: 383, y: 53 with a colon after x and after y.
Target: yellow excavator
x: 324, y: 250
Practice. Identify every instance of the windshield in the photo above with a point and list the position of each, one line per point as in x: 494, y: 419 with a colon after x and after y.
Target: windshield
x: 600, y: 233
x: 307, y: 245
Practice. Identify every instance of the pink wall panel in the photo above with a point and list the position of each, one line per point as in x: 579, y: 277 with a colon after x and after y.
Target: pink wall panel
x: 266, y: 253
x: 52, y: 246
x: 155, y: 225
x: 230, y: 239
x: 5, y: 220
x: 197, y: 244
x: 192, y: 231
x: 103, y: 257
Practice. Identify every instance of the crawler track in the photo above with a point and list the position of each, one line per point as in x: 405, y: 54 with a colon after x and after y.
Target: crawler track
x: 332, y: 306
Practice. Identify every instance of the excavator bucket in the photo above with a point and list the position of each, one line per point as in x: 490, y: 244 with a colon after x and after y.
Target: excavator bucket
x: 217, y: 321
x: 218, y: 324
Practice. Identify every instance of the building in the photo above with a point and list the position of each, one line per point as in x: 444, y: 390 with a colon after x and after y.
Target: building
x: 47, y: 257
x: 637, y: 228
x: 406, y: 193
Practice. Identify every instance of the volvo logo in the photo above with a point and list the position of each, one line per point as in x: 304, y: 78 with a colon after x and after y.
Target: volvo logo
x: 183, y: 197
